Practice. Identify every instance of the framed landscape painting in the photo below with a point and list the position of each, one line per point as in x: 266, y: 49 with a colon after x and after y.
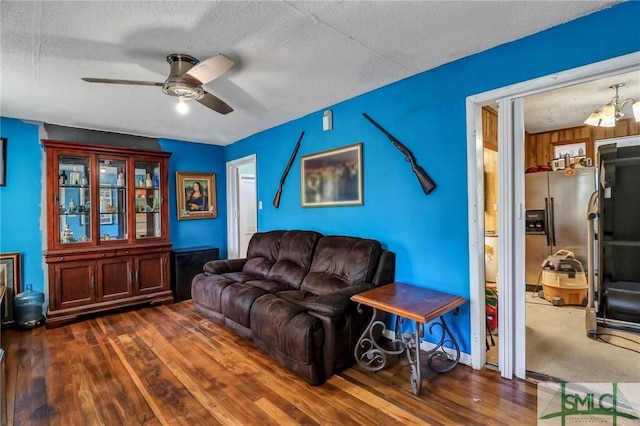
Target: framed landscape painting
x: 332, y: 178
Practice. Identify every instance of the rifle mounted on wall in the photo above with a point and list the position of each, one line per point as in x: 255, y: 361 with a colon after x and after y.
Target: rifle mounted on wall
x: 425, y: 180
x: 276, y: 200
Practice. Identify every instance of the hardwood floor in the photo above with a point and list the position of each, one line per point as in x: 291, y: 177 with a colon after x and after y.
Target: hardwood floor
x: 169, y: 365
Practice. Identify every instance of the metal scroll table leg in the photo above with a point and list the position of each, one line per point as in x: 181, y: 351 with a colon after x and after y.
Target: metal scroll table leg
x: 439, y: 360
x: 412, y: 346
x: 369, y: 355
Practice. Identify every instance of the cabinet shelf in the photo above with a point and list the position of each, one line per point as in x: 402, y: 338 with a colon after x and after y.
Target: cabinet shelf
x: 65, y: 185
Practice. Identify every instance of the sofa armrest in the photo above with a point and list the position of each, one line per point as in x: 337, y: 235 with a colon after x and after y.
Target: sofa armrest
x: 223, y: 266
x: 335, y: 303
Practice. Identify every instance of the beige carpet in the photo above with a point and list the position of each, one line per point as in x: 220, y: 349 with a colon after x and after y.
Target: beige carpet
x: 557, y: 346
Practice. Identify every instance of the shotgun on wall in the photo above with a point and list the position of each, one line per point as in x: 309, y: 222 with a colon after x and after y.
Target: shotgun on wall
x: 425, y: 180
x: 276, y: 200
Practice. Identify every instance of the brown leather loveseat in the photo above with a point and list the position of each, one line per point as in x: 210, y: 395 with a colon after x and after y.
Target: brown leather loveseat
x: 291, y: 296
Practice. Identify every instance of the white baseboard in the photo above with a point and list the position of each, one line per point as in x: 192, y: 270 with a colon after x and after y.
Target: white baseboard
x: 465, y: 358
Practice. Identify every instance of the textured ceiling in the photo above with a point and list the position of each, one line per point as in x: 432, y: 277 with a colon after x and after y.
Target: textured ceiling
x: 292, y: 58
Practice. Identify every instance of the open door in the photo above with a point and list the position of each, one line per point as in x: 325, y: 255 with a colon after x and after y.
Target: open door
x: 247, y: 218
x: 242, y: 216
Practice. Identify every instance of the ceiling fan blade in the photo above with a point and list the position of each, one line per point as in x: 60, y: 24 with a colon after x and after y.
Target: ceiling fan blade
x: 215, y: 103
x: 210, y: 68
x: 130, y: 82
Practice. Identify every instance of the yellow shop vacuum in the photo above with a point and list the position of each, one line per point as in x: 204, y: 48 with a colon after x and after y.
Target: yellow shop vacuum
x: 564, y: 280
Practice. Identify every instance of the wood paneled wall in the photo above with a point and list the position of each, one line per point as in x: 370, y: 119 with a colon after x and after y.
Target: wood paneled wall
x: 490, y: 128
x: 490, y: 141
x: 539, y: 147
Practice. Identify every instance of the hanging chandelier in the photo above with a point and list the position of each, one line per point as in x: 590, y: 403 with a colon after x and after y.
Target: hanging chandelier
x: 608, y: 114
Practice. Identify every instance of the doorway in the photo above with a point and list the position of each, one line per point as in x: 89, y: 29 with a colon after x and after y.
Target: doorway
x: 491, y: 220
x: 511, y: 284
x: 242, y: 219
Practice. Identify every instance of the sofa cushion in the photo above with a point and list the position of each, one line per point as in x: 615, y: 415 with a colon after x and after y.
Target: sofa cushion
x: 298, y: 297
x: 294, y: 257
x: 241, y: 277
x: 221, y: 266
x: 262, y: 253
x: 237, y: 299
x: 341, y: 262
x: 268, y: 285
x: 206, y: 290
x: 285, y: 327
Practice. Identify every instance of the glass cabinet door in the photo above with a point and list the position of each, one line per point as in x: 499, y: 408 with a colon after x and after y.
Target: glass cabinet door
x: 113, y: 199
x: 147, y: 199
x: 74, y: 199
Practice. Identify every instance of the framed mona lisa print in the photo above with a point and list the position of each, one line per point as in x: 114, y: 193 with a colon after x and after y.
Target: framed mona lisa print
x: 196, y: 195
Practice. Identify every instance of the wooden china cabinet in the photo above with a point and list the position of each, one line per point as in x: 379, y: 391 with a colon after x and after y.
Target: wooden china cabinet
x: 108, y: 229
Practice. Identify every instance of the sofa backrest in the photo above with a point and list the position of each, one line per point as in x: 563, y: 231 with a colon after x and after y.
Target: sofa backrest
x: 294, y: 257
x: 341, y: 262
x: 262, y: 253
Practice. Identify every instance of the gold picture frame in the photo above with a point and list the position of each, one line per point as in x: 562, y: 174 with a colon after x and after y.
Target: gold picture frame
x: 9, y: 282
x: 332, y: 178
x: 190, y: 204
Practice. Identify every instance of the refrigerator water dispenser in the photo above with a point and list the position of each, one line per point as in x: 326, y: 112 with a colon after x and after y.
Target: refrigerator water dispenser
x: 535, y: 222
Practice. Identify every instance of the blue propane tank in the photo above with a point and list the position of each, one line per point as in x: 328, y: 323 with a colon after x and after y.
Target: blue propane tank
x: 28, y: 308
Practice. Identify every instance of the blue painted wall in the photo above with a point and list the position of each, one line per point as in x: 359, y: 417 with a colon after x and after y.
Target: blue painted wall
x: 427, y: 113
x: 195, y: 157
x: 20, y: 200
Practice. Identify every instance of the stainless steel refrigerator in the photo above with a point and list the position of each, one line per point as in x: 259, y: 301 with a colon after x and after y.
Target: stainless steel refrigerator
x: 556, y: 216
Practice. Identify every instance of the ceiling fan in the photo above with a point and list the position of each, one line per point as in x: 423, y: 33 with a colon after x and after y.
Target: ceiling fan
x: 186, y: 77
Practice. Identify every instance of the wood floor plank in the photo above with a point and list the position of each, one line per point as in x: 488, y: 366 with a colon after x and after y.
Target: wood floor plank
x: 402, y: 397
x: 182, y: 368
x: 61, y: 389
x: 170, y: 365
x: 11, y: 371
x: 30, y: 403
x: 174, y: 402
x: 122, y: 392
x: 274, y: 412
x: 141, y: 388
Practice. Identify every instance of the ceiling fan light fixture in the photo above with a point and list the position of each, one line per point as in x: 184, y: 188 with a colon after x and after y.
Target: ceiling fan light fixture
x: 182, y: 106
x: 186, y: 77
x: 183, y: 90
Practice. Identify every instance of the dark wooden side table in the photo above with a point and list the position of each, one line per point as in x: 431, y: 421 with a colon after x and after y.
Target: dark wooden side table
x: 419, y: 304
x: 186, y: 263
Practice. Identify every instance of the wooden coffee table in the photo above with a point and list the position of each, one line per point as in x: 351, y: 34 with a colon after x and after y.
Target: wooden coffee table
x: 413, y: 303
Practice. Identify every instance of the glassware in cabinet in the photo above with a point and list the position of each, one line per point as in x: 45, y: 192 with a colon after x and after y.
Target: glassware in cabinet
x: 148, y: 200
x: 112, y: 194
x: 74, y: 199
